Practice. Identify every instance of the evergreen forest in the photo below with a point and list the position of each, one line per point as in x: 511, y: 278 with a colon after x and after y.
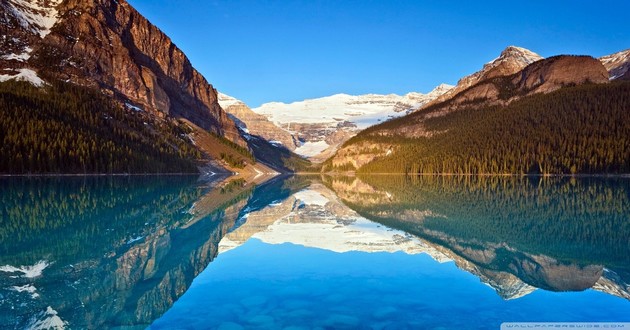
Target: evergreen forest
x: 65, y: 128
x: 576, y: 130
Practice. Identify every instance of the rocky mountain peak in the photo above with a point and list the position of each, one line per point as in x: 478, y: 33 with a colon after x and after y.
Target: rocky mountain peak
x: 519, y: 54
x: 251, y: 123
x: 511, y: 60
x: 439, y: 90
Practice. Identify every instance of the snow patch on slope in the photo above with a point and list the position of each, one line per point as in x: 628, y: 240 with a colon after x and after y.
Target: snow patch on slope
x: 24, y: 75
x: 26, y: 288
x: 19, y: 57
x: 37, y: 16
x: 617, y: 64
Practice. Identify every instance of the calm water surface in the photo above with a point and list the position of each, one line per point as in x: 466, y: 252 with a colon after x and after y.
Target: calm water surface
x: 343, y: 252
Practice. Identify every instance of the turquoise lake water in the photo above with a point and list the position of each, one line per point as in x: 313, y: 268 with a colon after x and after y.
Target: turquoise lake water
x: 306, y: 253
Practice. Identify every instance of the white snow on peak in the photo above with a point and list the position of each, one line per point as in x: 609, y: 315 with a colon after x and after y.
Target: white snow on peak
x: 522, y: 55
x: 38, y: 16
x: 358, y: 235
x: 226, y: 101
x: 27, y: 271
x: 439, y: 90
x: 24, y: 75
x: 47, y: 320
x: 362, y: 110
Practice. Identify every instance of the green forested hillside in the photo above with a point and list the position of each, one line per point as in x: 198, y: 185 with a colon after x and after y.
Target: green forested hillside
x: 581, y: 129
x: 65, y: 128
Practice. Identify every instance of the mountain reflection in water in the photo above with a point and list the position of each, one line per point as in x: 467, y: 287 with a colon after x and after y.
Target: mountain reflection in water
x: 119, y: 252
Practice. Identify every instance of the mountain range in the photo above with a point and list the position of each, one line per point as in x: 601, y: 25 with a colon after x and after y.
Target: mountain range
x: 314, y: 128
x: 109, y: 48
x: 513, y: 116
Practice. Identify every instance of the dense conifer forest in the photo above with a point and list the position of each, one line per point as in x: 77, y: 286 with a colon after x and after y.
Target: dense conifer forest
x: 580, y: 129
x: 64, y: 128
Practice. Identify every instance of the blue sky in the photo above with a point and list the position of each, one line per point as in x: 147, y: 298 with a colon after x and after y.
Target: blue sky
x: 263, y: 51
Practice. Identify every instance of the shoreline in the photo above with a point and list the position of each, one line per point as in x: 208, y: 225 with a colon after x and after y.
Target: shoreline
x: 96, y: 174
x: 584, y: 175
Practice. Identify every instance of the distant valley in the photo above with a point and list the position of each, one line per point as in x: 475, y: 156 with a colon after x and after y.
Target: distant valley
x: 315, y: 128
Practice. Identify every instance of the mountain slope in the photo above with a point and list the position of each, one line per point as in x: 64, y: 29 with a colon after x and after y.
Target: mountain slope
x: 505, y: 125
x: 108, y: 46
x: 511, y: 60
x: 252, y: 123
x: 618, y: 65
x: 65, y: 128
x: 322, y: 124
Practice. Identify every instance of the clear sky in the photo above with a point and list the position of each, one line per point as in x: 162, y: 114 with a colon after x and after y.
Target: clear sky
x: 263, y: 51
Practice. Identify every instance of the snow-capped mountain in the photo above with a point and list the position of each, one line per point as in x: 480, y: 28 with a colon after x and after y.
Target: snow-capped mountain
x: 322, y: 124
x: 511, y: 60
x: 617, y: 64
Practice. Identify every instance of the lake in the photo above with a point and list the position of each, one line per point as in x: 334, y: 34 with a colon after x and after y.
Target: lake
x: 302, y: 252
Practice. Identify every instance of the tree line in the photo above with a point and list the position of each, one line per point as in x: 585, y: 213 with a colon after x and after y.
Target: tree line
x: 581, y: 129
x: 65, y: 128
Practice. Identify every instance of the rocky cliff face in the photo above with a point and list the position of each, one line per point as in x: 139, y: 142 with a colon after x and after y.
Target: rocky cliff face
x: 252, y: 123
x: 559, y: 71
x: 107, y: 44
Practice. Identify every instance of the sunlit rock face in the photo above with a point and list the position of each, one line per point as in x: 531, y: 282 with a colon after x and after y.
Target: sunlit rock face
x: 511, y: 60
x: 251, y: 123
x: 108, y: 45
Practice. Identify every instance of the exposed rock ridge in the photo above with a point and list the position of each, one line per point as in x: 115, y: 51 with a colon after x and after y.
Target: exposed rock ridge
x: 511, y: 60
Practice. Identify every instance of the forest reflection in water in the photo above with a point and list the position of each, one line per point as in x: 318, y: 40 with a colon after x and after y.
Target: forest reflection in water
x: 110, y: 252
